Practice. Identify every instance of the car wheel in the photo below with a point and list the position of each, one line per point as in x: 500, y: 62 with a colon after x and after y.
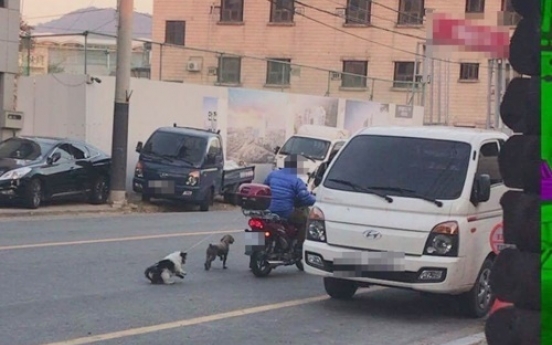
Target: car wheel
x: 340, y: 288
x: 33, y: 194
x: 477, y: 302
x: 207, y: 202
x: 100, y: 191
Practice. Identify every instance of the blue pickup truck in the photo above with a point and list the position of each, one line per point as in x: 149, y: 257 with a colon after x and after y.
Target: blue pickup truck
x: 187, y: 164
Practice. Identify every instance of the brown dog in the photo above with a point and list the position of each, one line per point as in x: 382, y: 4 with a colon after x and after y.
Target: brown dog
x: 220, y: 249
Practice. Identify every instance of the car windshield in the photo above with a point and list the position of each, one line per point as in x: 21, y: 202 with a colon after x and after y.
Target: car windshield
x: 24, y: 149
x: 307, y: 147
x: 189, y: 149
x: 429, y: 168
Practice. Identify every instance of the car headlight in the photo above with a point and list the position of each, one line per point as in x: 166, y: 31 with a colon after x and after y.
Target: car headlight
x: 193, y: 179
x: 15, y: 174
x: 443, y: 240
x: 316, y: 226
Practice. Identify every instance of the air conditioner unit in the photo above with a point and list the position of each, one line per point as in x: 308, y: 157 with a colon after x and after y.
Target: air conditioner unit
x: 335, y: 75
x: 11, y: 120
x: 193, y: 66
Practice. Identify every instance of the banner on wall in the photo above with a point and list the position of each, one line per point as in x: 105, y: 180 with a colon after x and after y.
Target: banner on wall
x: 210, y: 113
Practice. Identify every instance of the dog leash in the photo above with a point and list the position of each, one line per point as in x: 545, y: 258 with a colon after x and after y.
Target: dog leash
x: 198, y: 243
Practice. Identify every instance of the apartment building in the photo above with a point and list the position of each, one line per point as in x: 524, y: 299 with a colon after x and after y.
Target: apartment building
x: 343, y: 48
x: 9, y: 48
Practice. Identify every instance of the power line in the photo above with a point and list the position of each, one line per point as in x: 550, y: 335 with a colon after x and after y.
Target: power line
x: 62, y: 14
x: 227, y: 54
x: 358, y: 21
x: 79, y: 15
x: 375, y: 42
x: 392, y: 9
x: 362, y: 10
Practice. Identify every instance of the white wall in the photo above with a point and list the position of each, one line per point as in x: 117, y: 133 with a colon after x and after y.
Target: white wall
x: 53, y: 105
x: 65, y: 105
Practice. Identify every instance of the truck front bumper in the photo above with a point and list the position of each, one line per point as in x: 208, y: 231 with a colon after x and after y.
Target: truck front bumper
x: 423, y: 273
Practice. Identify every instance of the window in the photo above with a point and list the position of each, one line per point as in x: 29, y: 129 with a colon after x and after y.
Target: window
x: 411, y: 12
x: 65, y: 151
x: 488, y: 162
x: 229, y: 70
x: 403, y: 76
x: 360, y: 68
x: 510, y: 16
x: 186, y: 148
x: 358, y: 11
x: 278, y: 72
x: 231, y: 11
x: 475, y: 6
x: 175, y: 32
x: 282, y: 11
x: 469, y: 71
x: 79, y: 151
x: 214, y: 151
x: 19, y: 148
x: 407, y: 167
x: 308, y: 147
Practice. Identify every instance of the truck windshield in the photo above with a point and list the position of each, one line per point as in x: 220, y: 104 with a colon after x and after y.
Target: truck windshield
x: 409, y: 167
x: 189, y: 149
x: 307, y: 147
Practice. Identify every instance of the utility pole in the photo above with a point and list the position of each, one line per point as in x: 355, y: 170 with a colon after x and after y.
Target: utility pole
x: 122, y: 96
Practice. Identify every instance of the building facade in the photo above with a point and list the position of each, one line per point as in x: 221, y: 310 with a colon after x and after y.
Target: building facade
x: 9, y: 48
x: 345, y: 48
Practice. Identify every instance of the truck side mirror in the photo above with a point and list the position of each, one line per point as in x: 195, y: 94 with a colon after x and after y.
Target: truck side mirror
x: 276, y: 149
x: 481, y: 191
x: 319, y: 173
x: 139, y: 147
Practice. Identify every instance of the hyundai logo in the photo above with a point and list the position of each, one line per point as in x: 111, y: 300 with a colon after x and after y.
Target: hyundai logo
x: 372, y: 234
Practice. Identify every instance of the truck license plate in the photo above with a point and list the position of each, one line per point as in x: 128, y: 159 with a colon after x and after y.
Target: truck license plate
x: 354, y: 264
x: 164, y: 187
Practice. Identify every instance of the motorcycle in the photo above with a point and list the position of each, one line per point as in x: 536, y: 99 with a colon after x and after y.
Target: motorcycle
x: 270, y: 240
x: 272, y: 243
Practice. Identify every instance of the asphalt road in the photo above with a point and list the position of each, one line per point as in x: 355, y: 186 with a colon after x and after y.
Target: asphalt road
x: 80, y: 280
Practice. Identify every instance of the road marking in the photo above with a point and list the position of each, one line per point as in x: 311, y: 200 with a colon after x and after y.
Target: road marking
x: 120, y: 239
x: 189, y: 322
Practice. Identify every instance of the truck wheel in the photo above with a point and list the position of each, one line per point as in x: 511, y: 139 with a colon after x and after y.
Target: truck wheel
x: 32, y: 197
x: 477, y: 302
x: 340, y: 288
x: 207, y: 202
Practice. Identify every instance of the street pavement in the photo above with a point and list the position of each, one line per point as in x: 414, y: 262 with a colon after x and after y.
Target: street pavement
x: 69, y: 280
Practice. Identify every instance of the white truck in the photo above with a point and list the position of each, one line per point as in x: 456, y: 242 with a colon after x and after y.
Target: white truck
x: 315, y: 143
x: 410, y: 207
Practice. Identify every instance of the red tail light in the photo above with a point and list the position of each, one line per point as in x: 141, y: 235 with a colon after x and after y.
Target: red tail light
x: 256, y: 224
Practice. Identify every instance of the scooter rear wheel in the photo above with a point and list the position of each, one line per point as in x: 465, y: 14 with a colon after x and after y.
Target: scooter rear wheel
x: 259, y: 265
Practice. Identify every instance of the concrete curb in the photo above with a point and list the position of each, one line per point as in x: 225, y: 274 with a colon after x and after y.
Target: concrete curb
x: 475, y: 339
x: 38, y: 213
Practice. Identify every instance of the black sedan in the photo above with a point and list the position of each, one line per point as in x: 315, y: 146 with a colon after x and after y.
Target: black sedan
x: 37, y: 169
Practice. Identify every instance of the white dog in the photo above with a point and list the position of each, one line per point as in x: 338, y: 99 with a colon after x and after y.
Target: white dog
x: 171, y: 265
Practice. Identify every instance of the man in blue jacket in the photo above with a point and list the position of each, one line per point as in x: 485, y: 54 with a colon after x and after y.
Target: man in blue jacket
x: 290, y: 196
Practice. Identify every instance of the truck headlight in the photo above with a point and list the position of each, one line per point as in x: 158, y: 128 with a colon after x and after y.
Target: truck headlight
x: 316, y: 226
x: 193, y: 179
x: 443, y: 240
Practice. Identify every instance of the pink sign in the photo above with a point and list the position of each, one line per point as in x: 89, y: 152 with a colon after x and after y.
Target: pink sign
x: 470, y: 37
